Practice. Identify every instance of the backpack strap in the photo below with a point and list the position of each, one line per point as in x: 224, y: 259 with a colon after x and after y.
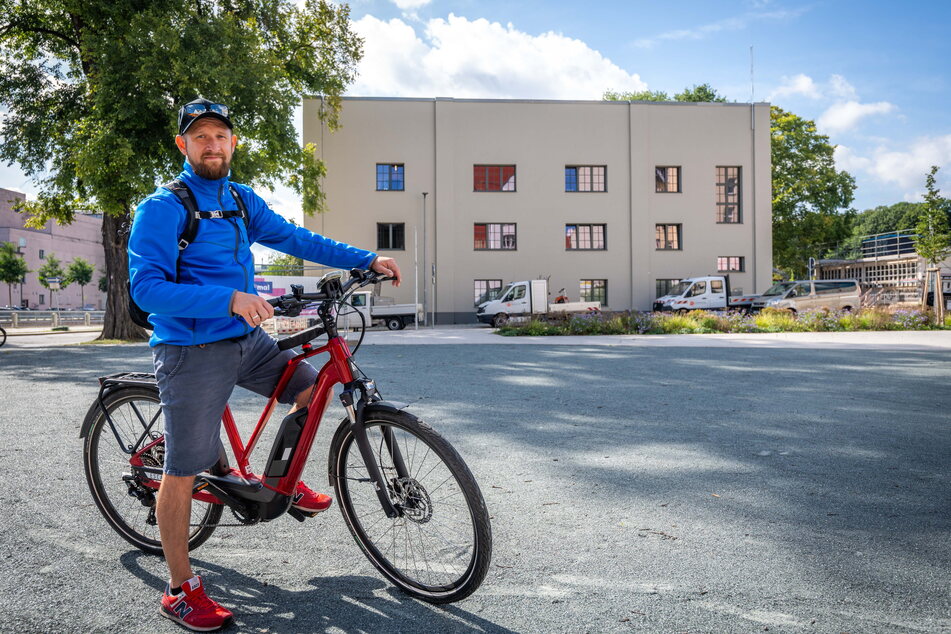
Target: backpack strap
x: 187, y: 198
x: 242, y: 210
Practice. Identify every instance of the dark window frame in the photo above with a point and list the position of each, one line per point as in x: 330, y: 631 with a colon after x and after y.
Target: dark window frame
x: 502, y: 235
x: 680, y: 236
x: 486, y: 178
x: 477, y: 294
x: 740, y: 261
x: 390, y: 227
x: 591, y: 180
x: 670, y: 283
x: 592, y: 293
x: 388, y: 180
x: 591, y: 225
x: 724, y: 199
x: 679, y: 179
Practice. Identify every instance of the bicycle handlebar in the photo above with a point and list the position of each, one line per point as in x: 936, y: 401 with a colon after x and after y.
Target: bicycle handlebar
x: 292, y: 303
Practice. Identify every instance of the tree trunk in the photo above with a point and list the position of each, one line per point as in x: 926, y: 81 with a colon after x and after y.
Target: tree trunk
x: 117, y: 323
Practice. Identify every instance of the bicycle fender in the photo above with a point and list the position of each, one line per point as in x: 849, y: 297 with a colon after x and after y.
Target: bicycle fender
x: 105, y: 390
x: 387, y: 406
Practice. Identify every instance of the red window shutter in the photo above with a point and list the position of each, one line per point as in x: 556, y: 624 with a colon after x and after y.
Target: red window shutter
x: 480, y: 237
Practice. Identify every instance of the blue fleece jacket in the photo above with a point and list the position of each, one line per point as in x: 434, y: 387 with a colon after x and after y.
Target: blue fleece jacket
x: 216, y: 264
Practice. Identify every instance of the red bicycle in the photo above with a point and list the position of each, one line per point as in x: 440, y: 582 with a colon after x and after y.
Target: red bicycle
x: 406, y: 495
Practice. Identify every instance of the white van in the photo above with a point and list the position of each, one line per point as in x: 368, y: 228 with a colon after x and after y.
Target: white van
x: 799, y: 295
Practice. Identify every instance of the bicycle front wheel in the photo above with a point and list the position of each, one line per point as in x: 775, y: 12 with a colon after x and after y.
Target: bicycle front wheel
x: 439, y: 547
x: 127, y: 501
x: 3, y: 336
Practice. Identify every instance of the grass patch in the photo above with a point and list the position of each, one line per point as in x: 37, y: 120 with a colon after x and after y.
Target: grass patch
x: 96, y: 342
x: 60, y: 328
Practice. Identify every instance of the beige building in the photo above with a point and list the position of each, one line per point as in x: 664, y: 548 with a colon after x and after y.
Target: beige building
x: 612, y: 201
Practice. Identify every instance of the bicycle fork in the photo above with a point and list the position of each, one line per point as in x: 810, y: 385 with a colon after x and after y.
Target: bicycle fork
x: 356, y: 411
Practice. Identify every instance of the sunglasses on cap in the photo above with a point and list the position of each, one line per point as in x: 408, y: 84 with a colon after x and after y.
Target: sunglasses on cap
x: 196, y: 109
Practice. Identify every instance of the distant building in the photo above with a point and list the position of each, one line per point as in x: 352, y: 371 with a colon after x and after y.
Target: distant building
x: 82, y: 238
x: 614, y: 201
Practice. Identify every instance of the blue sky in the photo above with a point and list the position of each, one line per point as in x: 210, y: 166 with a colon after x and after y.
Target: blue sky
x: 875, y: 76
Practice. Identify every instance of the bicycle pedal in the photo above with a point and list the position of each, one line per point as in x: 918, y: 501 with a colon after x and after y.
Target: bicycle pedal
x: 299, y: 515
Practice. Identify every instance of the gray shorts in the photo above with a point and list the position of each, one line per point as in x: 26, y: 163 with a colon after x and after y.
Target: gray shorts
x: 195, y: 383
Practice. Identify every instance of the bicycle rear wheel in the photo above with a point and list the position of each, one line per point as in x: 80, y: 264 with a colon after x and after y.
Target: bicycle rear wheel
x: 439, y: 548
x: 3, y: 336
x: 126, y: 502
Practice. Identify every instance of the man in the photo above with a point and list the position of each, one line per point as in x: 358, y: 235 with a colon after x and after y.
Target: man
x: 205, y: 315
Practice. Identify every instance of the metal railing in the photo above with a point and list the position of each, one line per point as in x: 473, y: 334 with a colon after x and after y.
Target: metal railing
x: 50, y: 318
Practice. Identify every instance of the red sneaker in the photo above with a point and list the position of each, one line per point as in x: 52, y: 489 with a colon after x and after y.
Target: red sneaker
x: 193, y: 609
x: 309, y: 502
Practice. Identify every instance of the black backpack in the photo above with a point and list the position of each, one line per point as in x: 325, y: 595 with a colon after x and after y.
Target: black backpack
x: 187, y: 198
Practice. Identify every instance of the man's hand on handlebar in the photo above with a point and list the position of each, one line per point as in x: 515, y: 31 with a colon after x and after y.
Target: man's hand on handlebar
x: 253, y: 309
x: 387, y: 267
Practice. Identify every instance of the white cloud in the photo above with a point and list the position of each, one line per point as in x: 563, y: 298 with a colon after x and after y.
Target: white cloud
x: 841, y: 88
x: 481, y: 59
x: 907, y: 168
x: 411, y: 5
x: 797, y: 85
x: 729, y: 24
x: 903, y: 169
x: 845, y: 115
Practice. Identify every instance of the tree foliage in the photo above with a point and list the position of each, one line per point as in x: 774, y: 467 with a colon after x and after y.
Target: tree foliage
x: 12, y: 268
x: 80, y: 271
x: 934, y: 241
x: 701, y: 93
x: 92, y: 91
x: 284, y: 264
x: 52, y: 268
x: 811, y: 198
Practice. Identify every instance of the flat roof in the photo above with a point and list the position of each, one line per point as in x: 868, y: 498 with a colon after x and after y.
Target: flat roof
x: 549, y: 101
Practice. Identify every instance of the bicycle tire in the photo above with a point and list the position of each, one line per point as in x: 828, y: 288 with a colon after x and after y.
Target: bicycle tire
x: 105, y: 463
x: 450, y: 576
x: 3, y: 336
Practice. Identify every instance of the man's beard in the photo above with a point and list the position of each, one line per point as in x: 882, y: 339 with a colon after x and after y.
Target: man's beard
x: 211, y: 172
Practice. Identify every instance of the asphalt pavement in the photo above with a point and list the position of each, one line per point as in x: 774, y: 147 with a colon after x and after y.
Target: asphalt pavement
x: 788, y: 487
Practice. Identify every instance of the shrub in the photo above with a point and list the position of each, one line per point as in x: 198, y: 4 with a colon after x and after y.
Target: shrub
x: 777, y: 320
x: 821, y: 320
x: 678, y: 325
x: 911, y: 319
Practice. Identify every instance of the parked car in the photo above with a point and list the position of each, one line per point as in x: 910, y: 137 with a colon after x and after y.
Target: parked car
x: 799, y: 295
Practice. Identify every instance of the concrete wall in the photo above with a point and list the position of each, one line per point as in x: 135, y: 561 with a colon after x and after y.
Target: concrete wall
x: 82, y: 238
x: 440, y: 140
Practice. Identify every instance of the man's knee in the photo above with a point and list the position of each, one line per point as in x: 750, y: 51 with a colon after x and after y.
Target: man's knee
x: 303, y: 397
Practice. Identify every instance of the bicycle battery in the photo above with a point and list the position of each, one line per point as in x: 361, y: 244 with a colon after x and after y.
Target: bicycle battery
x: 285, y: 445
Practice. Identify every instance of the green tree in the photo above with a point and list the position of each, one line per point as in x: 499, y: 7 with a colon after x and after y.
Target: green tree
x: 52, y: 269
x: 92, y: 91
x: 80, y: 271
x: 103, y: 283
x: 284, y: 264
x: 641, y: 95
x: 903, y: 216
x: 12, y: 268
x: 934, y: 241
x: 811, y: 198
x: 701, y: 93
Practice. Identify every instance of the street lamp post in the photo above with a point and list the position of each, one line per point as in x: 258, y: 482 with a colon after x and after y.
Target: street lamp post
x: 424, y: 256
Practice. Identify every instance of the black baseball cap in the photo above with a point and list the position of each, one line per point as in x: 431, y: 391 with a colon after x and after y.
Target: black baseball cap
x: 199, y: 108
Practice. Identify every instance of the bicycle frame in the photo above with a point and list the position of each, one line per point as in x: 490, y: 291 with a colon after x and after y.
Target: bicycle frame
x: 336, y: 370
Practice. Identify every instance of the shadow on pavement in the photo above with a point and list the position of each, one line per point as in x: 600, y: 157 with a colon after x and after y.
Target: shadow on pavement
x: 350, y: 603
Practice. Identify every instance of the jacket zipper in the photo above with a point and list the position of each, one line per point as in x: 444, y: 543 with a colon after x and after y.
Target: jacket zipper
x: 237, y: 243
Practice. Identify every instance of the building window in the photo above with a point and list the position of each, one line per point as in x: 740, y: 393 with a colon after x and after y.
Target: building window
x: 493, y: 236
x: 586, y: 178
x: 22, y: 242
x: 594, y: 291
x: 667, y: 180
x: 728, y: 195
x: 42, y: 254
x: 726, y: 263
x: 486, y: 290
x: 663, y: 287
x: 493, y: 178
x: 585, y: 237
x: 668, y: 237
x: 42, y: 300
x: 389, y: 177
x: 390, y: 235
